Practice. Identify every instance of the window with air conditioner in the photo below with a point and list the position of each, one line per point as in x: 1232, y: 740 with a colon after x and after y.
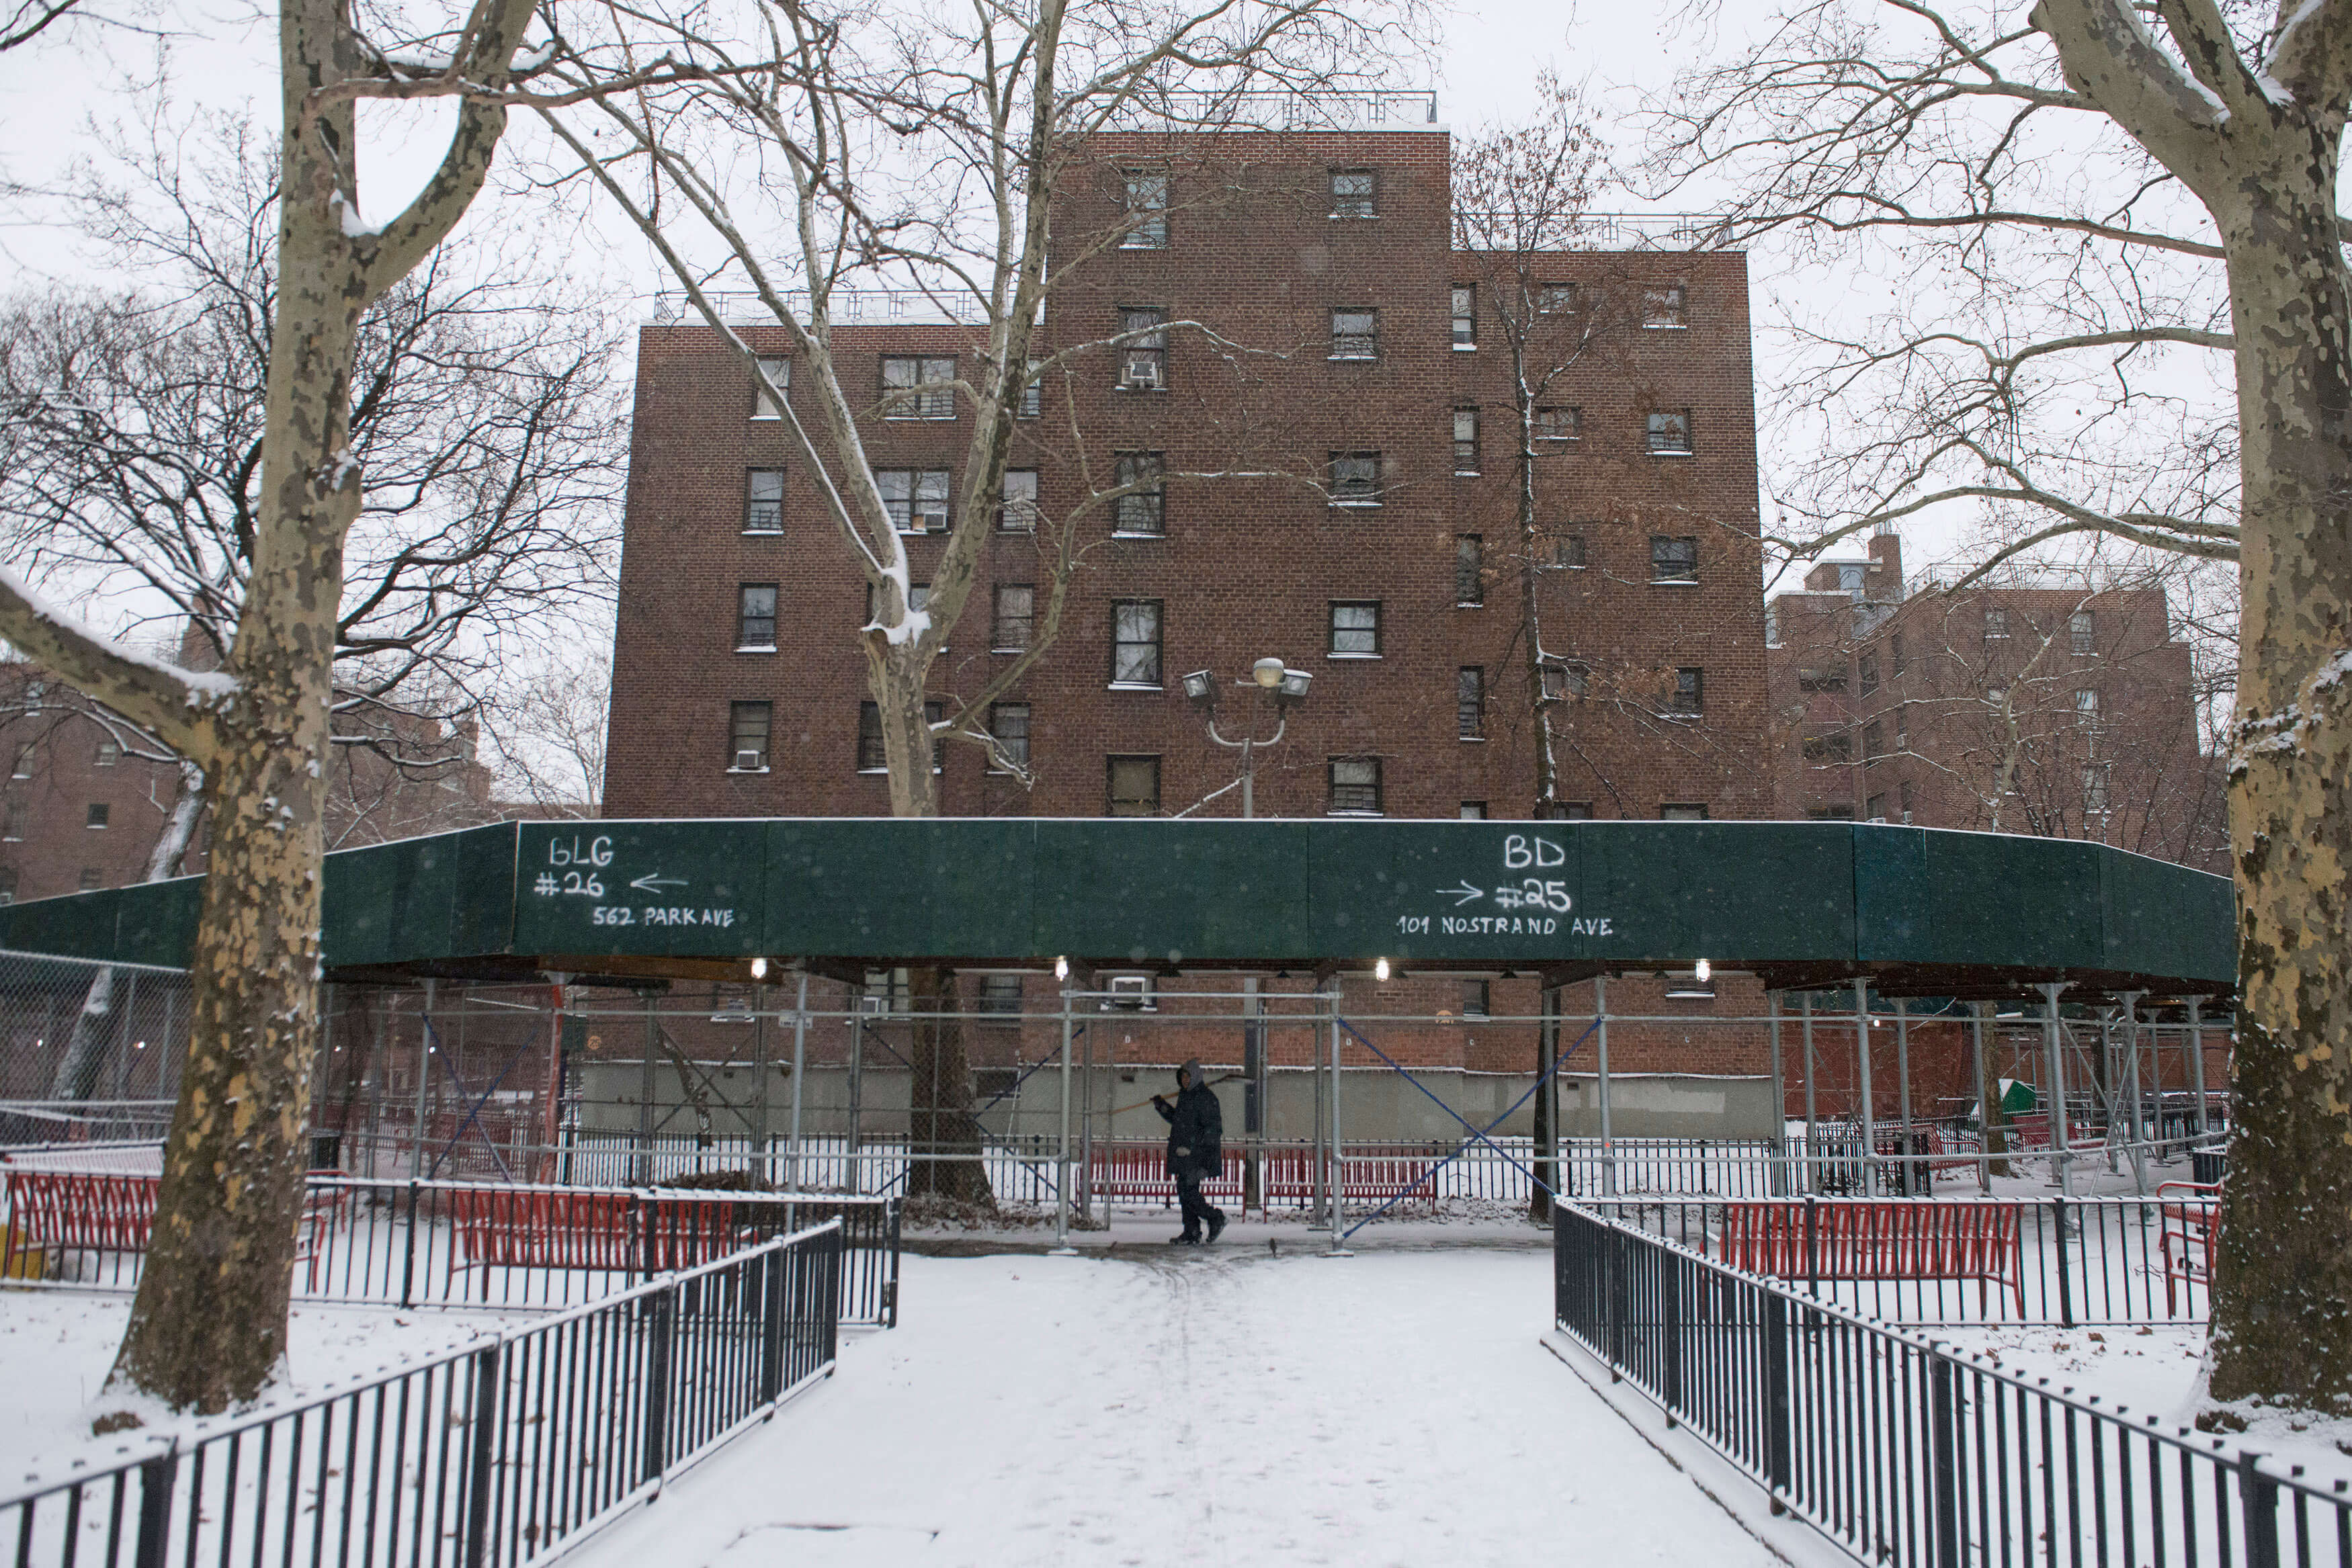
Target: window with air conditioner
x: 747, y: 736
x: 1143, y: 348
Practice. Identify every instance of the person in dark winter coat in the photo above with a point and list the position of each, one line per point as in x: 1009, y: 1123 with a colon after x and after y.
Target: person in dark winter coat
x: 1196, y: 1134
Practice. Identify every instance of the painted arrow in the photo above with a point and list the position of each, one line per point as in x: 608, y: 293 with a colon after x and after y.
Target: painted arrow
x: 1463, y: 894
x: 655, y: 882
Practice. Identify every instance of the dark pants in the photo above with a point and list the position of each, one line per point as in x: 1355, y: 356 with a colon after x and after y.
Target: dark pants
x: 1198, y: 1210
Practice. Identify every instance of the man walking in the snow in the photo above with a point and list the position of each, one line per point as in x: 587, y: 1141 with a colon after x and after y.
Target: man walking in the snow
x: 1196, y: 1133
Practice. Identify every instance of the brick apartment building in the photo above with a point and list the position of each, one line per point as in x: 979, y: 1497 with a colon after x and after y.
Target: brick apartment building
x: 1348, y: 362
x: 2059, y: 711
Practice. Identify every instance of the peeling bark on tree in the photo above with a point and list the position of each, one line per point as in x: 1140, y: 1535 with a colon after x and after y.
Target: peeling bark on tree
x: 945, y: 1134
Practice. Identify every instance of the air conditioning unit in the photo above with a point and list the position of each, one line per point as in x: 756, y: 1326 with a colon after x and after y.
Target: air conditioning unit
x: 1143, y: 374
x: 748, y: 762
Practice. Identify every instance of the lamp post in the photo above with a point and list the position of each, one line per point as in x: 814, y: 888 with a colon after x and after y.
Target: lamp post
x: 1288, y: 689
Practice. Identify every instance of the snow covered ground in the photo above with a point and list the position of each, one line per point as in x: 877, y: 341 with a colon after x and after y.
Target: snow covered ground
x: 1186, y: 1408
x: 57, y: 1345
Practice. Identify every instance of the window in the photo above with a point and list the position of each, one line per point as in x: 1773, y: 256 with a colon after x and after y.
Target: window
x: 919, y: 386
x: 1566, y: 683
x: 92, y: 878
x: 1690, y: 690
x: 2095, y: 787
x: 1355, y: 787
x: 1873, y: 742
x: 1996, y: 622
x: 1559, y: 424
x: 1567, y: 811
x: 1144, y: 509
x: 1469, y: 570
x: 871, y: 756
x: 776, y: 372
x: 1554, y: 299
x: 918, y: 598
x: 1473, y: 811
x: 1135, y: 643
x: 916, y: 498
x: 1133, y: 786
x: 22, y: 767
x: 1568, y: 553
x: 1354, y: 194
x: 2083, y: 630
x: 1355, y: 478
x: 1902, y: 727
x: 886, y: 991
x: 1874, y: 809
x: 110, y: 752
x: 746, y: 738
x: 1019, y: 513
x: 1665, y: 307
x: 1670, y: 432
x: 1673, y: 559
x: 1823, y: 678
x: 1465, y: 440
x: 1009, y: 723
x: 1827, y: 746
x: 1685, y: 983
x: 97, y: 814
x: 1032, y: 395
x: 1016, y: 610
x: 1868, y: 664
x: 1904, y: 795
x: 1470, y: 702
x: 1465, y: 315
x: 755, y: 618
x: 1473, y: 998
x: 1895, y: 651
x: 7, y: 885
x: 1355, y: 334
x: 764, y: 501
x: 1143, y: 351
x: 1000, y: 995
x: 1682, y: 813
x: 1129, y: 993
x: 1355, y: 628
x: 1147, y: 211
x: 2086, y: 706
x: 1830, y: 814
x: 12, y: 819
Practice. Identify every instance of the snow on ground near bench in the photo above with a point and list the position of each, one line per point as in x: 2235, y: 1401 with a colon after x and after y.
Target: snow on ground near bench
x: 57, y: 1345
x: 1222, y: 1406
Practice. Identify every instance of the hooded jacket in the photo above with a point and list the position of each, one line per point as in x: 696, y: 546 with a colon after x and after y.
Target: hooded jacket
x: 1196, y: 1130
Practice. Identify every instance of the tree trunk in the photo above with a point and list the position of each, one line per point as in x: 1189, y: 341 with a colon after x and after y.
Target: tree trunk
x: 944, y: 1134
x: 2283, y: 1276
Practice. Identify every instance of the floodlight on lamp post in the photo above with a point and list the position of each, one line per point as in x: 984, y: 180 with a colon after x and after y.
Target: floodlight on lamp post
x: 1285, y: 685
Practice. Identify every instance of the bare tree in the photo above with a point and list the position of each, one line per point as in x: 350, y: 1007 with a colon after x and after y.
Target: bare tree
x: 208, y: 1326
x: 549, y: 729
x: 2164, y: 180
x: 927, y: 154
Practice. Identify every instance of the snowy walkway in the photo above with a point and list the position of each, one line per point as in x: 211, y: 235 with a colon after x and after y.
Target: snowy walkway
x: 1219, y: 1408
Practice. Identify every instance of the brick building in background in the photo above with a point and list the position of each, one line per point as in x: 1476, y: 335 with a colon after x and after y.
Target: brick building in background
x: 1339, y: 452
x: 2053, y: 710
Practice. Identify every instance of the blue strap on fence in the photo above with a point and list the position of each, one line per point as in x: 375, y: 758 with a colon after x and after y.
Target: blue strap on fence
x: 1477, y: 1134
x: 474, y: 1116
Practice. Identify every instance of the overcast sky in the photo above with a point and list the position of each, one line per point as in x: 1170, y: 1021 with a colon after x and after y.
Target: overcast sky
x: 221, y: 58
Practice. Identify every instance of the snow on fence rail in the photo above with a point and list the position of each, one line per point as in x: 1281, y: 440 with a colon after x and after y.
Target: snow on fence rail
x: 420, y: 1243
x: 1902, y: 1452
x: 482, y: 1456
x: 2064, y: 1261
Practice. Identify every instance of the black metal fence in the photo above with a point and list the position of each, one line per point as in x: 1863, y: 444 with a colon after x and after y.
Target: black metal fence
x: 1902, y: 1452
x: 2066, y: 1261
x: 498, y: 1455
x: 425, y: 1243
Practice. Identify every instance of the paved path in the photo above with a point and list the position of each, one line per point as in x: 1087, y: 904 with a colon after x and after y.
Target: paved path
x: 1222, y: 1409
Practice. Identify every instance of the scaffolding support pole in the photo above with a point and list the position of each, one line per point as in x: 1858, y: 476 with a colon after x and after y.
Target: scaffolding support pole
x: 2060, y: 1154
x: 2136, y: 1123
x: 642, y: 1175
x: 1984, y: 1096
x: 1062, y: 1152
x: 1338, y: 1178
x: 800, y: 1075
x: 1869, y: 1106
x: 1902, y: 1095
x: 1600, y: 1048
x: 1780, y: 1105
x: 757, y: 1141
x: 858, y: 1096
x: 1812, y: 1148
x: 424, y: 1080
x: 2197, y: 1064
x: 2110, y: 1088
